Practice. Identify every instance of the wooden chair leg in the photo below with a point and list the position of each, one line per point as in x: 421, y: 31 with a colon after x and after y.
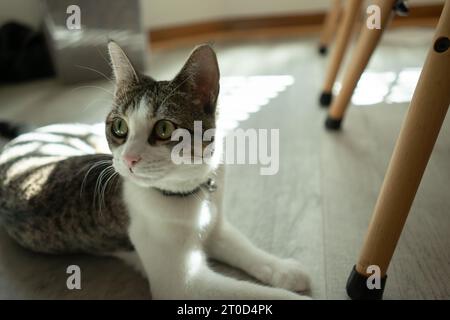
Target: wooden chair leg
x: 420, y: 130
x: 329, y: 26
x: 350, y: 14
x: 366, y: 45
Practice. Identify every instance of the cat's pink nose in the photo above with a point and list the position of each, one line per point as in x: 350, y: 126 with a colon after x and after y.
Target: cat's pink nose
x: 131, y: 160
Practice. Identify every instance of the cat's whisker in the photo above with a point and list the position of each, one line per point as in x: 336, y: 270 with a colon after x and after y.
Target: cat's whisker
x: 93, y: 87
x: 98, y: 183
x: 111, y: 176
x: 100, y: 53
x: 89, y: 163
x: 94, y: 166
x: 90, y: 104
x: 109, y: 172
x: 96, y: 71
x: 94, y: 163
x: 116, y: 181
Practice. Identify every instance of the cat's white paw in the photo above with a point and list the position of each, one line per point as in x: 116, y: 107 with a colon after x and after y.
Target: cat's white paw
x: 285, y: 273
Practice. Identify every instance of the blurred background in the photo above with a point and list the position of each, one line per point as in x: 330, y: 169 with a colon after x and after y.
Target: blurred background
x: 317, y: 208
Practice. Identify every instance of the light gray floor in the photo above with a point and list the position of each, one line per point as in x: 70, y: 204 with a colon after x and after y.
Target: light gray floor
x: 316, y: 209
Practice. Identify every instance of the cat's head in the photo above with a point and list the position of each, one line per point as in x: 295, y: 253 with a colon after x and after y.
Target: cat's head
x: 145, y: 113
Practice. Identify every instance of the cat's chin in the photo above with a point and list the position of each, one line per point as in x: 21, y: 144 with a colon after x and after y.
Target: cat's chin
x: 161, y: 184
x: 144, y: 182
x: 140, y: 181
x: 183, y: 181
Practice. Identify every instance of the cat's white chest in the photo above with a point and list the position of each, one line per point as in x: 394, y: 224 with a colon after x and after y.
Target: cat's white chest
x: 176, y: 219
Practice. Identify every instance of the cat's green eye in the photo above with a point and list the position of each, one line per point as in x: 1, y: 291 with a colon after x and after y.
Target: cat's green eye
x: 163, y: 129
x: 119, y: 128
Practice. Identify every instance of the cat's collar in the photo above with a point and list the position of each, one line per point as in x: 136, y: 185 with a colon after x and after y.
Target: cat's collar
x: 210, y: 186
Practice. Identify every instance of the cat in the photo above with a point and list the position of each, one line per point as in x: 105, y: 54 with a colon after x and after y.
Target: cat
x: 61, y: 191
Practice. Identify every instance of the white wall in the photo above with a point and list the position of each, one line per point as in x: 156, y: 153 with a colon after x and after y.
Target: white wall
x: 271, y: 7
x: 163, y: 13
x: 160, y: 13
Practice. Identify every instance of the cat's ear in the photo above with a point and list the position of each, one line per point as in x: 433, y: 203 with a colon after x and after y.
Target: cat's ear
x: 122, y: 68
x: 200, y: 78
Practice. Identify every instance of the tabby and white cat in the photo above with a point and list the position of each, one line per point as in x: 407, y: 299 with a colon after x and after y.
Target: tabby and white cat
x: 59, y: 194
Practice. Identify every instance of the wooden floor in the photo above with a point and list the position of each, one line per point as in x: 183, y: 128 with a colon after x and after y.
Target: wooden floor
x: 316, y: 209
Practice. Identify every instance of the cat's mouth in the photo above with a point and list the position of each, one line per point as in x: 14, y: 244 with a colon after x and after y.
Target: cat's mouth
x: 141, y: 178
x: 139, y: 174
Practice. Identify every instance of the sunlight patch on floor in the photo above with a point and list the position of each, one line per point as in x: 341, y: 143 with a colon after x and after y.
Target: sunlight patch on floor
x: 242, y: 95
x: 384, y: 87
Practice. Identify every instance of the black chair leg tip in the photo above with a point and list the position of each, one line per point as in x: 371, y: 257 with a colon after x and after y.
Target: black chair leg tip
x: 325, y: 99
x: 357, y: 288
x: 333, y: 124
x: 323, y: 50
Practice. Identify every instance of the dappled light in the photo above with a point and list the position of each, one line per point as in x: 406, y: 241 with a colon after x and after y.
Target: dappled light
x: 389, y: 87
x: 243, y: 95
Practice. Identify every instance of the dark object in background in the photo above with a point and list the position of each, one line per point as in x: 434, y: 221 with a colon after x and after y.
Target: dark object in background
x: 11, y: 130
x: 23, y: 54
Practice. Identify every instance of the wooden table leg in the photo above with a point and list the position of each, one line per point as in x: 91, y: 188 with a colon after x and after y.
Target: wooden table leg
x: 350, y: 14
x: 420, y: 130
x: 329, y: 26
x: 366, y: 45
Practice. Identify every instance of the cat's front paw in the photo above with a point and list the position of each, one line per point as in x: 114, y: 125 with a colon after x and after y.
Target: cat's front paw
x: 287, y: 274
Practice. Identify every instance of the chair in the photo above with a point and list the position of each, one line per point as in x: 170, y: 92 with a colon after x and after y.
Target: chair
x: 349, y: 15
x: 329, y: 26
x: 413, y: 149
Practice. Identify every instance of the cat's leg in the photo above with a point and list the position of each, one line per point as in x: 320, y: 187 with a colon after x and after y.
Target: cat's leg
x: 178, y: 271
x: 207, y: 284
x: 186, y: 275
x: 230, y: 246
